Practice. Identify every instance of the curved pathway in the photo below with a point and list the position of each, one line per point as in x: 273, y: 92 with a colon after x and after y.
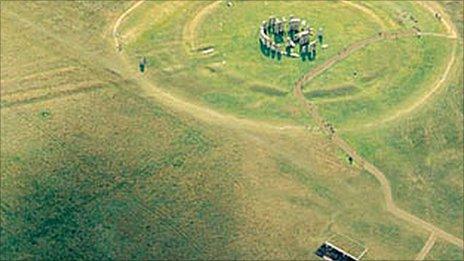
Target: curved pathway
x: 368, y: 12
x: 451, y: 34
x: 417, y: 103
x: 313, y: 112
x: 189, y: 32
x: 202, y: 112
x: 117, y: 40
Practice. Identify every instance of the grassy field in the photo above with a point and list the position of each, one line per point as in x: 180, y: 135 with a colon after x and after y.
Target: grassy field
x: 364, y: 88
x: 421, y: 153
x: 237, y: 78
x: 424, y: 153
x: 94, y: 167
x: 444, y: 251
x: 373, y: 84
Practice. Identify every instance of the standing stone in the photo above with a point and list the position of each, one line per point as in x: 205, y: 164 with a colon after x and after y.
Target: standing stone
x: 320, y: 35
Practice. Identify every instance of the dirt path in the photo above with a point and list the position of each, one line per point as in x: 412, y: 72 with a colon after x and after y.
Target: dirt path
x: 421, y: 101
x: 150, y: 18
x: 452, y: 34
x: 229, y: 120
x: 368, y: 12
x: 117, y: 40
x: 446, y: 20
x: 312, y: 110
x: 189, y: 32
x: 204, y: 113
x: 427, y: 247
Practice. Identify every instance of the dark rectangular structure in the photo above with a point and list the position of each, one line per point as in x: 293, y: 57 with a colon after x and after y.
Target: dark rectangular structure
x: 328, y: 251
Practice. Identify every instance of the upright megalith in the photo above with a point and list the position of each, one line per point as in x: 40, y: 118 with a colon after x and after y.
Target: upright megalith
x: 271, y: 24
x: 294, y: 25
x: 320, y: 35
x: 142, y: 64
x: 276, y: 41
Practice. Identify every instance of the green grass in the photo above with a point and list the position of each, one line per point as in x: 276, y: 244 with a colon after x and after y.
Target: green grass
x: 454, y: 8
x: 444, y: 251
x: 86, y: 196
x: 424, y: 157
x: 391, y: 11
x: 226, y: 81
x: 150, y: 185
x: 379, y: 89
x: 110, y: 173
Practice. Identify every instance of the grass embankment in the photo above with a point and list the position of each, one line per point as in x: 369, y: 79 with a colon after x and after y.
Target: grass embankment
x: 111, y: 173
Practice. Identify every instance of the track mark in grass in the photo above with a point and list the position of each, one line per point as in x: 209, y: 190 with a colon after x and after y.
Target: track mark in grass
x: 343, y: 90
x: 53, y: 95
x: 268, y: 90
x: 372, y: 76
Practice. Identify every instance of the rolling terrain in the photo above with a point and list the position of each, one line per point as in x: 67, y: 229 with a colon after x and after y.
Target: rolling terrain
x: 229, y: 155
